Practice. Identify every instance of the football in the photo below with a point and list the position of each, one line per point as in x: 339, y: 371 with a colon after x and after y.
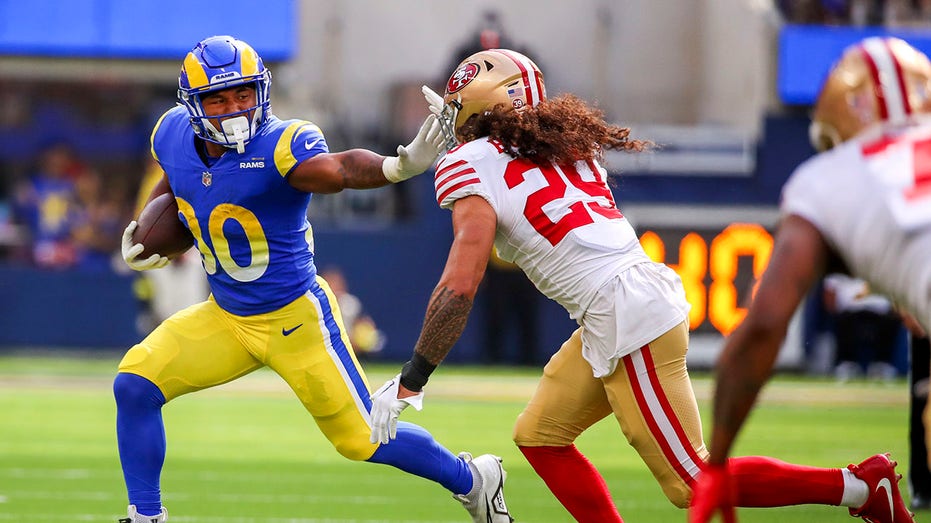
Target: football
x: 160, y: 230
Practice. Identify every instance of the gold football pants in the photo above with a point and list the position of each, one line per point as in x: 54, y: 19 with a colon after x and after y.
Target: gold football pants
x: 650, y: 395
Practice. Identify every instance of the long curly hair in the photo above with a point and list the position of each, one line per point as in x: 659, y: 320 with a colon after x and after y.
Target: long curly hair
x: 561, y: 130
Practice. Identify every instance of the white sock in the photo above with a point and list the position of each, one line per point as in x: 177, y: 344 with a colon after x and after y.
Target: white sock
x: 856, y: 491
x: 476, y: 480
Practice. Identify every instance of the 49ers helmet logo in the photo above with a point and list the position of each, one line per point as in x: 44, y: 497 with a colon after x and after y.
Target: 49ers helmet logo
x: 461, y: 78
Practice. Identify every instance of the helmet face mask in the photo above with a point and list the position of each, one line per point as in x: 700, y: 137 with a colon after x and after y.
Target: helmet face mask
x: 877, y: 81
x: 447, y: 120
x: 215, y: 64
x: 487, y: 79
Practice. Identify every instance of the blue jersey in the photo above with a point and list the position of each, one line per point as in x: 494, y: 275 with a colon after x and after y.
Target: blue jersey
x: 249, y: 224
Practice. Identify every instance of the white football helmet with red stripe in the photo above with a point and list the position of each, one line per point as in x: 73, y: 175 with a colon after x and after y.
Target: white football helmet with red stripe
x: 879, y: 80
x: 486, y: 79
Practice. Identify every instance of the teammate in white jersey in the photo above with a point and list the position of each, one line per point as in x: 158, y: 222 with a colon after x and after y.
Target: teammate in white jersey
x: 524, y: 174
x: 863, y: 206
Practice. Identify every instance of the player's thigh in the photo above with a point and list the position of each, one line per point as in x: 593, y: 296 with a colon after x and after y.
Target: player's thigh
x: 317, y: 362
x: 654, y: 403
x: 193, y: 349
x: 568, y: 400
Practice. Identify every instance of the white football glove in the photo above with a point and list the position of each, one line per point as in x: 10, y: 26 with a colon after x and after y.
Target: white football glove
x: 434, y: 101
x: 131, y: 250
x: 386, y: 408
x: 417, y: 156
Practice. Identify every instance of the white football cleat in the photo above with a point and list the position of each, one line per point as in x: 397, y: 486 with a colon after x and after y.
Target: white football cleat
x: 485, y: 502
x: 135, y: 517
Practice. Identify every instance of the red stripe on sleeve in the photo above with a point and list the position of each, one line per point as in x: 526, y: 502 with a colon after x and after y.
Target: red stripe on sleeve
x: 443, y: 169
x: 448, y: 191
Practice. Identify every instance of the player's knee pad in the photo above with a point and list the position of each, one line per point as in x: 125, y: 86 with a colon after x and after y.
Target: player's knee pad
x: 531, y: 431
x: 677, y: 491
x: 356, y: 448
x: 679, y: 496
x: 131, y: 390
x: 525, y: 430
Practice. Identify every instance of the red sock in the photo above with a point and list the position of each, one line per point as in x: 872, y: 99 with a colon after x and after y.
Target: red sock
x: 767, y: 482
x: 575, y: 482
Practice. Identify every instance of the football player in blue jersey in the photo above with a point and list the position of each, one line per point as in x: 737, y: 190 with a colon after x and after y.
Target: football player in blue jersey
x: 243, y: 179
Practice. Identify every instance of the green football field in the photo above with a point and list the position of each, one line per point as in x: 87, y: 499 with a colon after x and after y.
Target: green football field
x: 247, y: 452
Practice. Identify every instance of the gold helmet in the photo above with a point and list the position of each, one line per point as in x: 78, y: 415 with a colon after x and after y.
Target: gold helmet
x: 486, y: 79
x: 877, y: 80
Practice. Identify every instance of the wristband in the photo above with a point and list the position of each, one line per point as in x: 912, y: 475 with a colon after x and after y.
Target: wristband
x: 392, y: 170
x: 416, y: 372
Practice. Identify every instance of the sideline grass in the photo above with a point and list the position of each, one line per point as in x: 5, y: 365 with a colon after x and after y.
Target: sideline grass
x: 247, y: 452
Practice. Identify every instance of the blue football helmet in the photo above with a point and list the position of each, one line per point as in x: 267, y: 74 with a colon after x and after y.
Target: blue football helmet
x: 216, y: 63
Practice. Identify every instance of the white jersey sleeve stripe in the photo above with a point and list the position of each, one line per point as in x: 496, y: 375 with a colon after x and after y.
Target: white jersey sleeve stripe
x: 453, y: 176
x: 442, y: 168
x: 449, y: 190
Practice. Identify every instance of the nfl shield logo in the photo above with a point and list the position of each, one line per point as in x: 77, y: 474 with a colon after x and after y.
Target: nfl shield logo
x: 206, y: 178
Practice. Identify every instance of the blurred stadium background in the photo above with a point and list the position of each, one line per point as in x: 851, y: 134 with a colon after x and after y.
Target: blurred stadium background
x: 723, y: 86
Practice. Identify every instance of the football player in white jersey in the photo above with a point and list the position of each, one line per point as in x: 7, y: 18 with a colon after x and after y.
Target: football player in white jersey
x: 863, y: 207
x: 523, y: 174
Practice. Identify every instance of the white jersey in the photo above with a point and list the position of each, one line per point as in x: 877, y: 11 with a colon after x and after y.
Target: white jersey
x: 560, y: 225
x: 871, y: 200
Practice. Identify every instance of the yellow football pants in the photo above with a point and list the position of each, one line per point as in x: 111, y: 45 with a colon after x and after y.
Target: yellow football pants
x: 304, y: 342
